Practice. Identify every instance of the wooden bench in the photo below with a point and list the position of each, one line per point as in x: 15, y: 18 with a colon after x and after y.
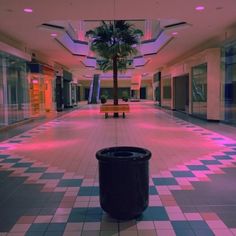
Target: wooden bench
x: 110, y: 108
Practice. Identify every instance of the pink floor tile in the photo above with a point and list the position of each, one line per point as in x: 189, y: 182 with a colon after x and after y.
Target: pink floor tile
x: 26, y: 219
x: 233, y: 230
x: 60, y: 218
x: 155, y: 203
x: 167, y: 197
x: 92, y: 226
x: 208, y: 216
x: 183, y: 181
x: 63, y: 211
x: 82, y: 199
x: 21, y: 228
x: 147, y: 232
x: 219, y: 171
x: 60, y: 189
x: 94, y: 198
x: 193, y: 216
x: 74, y: 227
x: 43, y: 219
x: 175, y: 209
x: 69, y: 198
x: 175, y: 216
x: 166, y: 174
x: 182, y: 167
x: 187, y: 187
x: 66, y: 204
x: 73, y: 189
x: 168, y: 203
x: 145, y: 225
x: 222, y: 232
x: 165, y: 232
x: 71, y: 194
x: 216, y: 224
x: 163, y: 225
x: 174, y: 187
x: 204, y: 179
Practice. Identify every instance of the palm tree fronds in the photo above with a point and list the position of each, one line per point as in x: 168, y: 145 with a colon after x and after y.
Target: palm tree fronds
x: 114, y: 42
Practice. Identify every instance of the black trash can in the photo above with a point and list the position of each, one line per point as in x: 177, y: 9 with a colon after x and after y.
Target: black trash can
x: 124, y: 181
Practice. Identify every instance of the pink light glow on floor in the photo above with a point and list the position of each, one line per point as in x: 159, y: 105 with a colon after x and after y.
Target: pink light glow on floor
x: 47, y: 145
x: 79, y: 134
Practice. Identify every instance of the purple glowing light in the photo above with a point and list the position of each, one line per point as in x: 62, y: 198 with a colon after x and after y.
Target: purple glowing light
x: 28, y: 10
x: 199, y: 8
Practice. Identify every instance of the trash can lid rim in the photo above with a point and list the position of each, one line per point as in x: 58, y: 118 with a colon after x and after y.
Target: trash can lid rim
x: 125, y: 153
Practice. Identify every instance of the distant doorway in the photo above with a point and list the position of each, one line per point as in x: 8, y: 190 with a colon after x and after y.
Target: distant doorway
x: 143, y: 93
x: 181, y: 93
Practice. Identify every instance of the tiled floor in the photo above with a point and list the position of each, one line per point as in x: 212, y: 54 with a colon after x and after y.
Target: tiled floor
x: 25, y: 125
x: 49, y: 176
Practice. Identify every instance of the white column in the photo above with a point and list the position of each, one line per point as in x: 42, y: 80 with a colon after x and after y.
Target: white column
x: 213, y: 84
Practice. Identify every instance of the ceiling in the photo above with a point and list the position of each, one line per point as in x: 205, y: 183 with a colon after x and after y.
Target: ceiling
x: 209, y: 27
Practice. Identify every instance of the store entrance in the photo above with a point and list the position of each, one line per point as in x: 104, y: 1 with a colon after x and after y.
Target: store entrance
x: 35, y: 96
x: 181, y: 93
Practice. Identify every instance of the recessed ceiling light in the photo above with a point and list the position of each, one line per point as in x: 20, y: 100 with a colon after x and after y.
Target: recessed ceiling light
x: 53, y: 34
x: 28, y: 10
x: 199, y: 8
x: 174, y: 33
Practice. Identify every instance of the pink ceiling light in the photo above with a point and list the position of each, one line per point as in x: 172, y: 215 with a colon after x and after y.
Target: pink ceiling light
x: 28, y: 10
x: 174, y: 33
x: 199, y: 8
x: 53, y: 34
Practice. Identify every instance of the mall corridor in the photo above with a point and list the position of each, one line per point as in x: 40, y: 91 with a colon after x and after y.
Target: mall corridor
x: 49, y: 175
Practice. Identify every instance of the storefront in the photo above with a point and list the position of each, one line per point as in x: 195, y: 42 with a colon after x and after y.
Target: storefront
x: 49, y: 88
x: 193, y: 85
x: 166, y: 91
x: 67, y: 93
x: 41, y: 82
x: 199, y: 90
x: 14, y: 96
x: 229, y: 82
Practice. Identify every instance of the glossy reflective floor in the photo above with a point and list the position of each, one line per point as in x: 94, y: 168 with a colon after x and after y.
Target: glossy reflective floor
x: 49, y: 175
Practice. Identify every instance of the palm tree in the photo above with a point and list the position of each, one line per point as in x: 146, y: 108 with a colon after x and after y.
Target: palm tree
x: 114, y: 42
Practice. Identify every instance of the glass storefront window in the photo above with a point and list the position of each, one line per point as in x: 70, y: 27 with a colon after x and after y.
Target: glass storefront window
x: 2, y: 115
x: 167, y: 88
x: 229, y: 82
x: 14, y: 99
x: 199, y: 90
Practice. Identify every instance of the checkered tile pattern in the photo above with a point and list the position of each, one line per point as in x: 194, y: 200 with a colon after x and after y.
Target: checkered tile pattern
x: 57, y: 202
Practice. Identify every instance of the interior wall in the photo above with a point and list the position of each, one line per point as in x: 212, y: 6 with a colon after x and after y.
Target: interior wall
x: 122, y: 83
x: 210, y: 56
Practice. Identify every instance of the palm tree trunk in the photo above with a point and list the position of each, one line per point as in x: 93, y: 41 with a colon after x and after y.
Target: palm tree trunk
x: 115, y: 83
